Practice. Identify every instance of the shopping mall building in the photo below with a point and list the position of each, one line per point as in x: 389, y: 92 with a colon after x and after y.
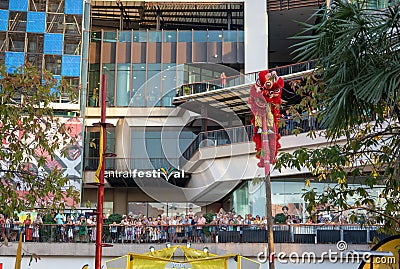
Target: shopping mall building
x: 179, y: 136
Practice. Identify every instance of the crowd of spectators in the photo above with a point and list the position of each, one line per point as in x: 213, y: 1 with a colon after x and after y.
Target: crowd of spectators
x: 303, y: 122
x: 189, y: 227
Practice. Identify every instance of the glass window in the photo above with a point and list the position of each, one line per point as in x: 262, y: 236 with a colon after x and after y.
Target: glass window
x: 170, y: 148
x: 140, y: 36
x: 185, y: 36
x: 168, y: 82
x: 110, y: 37
x: 169, y: 36
x: 169, y: 66
x: 200, y: 36
x: 153, y: 97
x: 92, y: 151
x: 109, y: 71
x: 94, y: 82
x: 153, y: 134
x: 155, y: 150
x: 167, y: 99
x: 214, y: 36
x: 154, y: 67
x: 240, y: 36
x: 138, y: 80
x: 230, y: 36
x: 123, y: 84
x: 139, y: 147
x: 125, y: 36
x: 95, y: 37
x: 155, y: 36
x: 108, y: 208
x: 138, y: 208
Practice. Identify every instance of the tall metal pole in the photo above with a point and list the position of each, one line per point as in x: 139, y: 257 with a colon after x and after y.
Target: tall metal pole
x: 270, y: 220
x: 100, y: 190
x: 268, y: 195
x: 84, y: 76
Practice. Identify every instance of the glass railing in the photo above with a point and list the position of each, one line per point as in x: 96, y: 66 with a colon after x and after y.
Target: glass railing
x: 238, y: 80
x: 244, y: 134
x: 168, y: 36
x: 209, y: 233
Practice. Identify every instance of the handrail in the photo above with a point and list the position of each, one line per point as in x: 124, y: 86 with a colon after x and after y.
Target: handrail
x: 220, y: 137
x: 287, y: 127
x: 140, y: 231
x: 249, y: 78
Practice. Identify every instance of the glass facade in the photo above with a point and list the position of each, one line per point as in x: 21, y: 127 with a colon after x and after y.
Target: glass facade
x: 249, y: 197
x: 92, y: 142
x: 157, y: 147
x: 151, y: 85
x: 145, y: 68
x: 167, y: 209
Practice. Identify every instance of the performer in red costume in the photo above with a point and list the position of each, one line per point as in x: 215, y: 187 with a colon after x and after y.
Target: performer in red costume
x: 265, y: 100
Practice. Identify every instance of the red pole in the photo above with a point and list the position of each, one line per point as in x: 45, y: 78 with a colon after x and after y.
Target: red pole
x: 100, y: 190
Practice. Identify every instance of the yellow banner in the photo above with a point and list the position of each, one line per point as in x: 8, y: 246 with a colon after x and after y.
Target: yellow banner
x: 101, y: 151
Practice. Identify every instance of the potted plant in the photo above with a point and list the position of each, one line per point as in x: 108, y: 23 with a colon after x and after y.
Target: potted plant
x: 186, y: 90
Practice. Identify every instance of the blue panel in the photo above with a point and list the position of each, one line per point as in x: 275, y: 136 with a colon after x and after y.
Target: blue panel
x: 54, y: 90
x: 73, y: 7
x: 3, y: 20
x: 14, y: 60
x: 36, y: 22
x: 18, y: 5
x: 53, y: 43
x: 71, y: 65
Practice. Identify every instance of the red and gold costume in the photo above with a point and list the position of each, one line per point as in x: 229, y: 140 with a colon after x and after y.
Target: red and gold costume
x: 265, y: 100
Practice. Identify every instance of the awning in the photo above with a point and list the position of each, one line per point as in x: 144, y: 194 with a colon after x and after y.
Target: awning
x: 232, y: 99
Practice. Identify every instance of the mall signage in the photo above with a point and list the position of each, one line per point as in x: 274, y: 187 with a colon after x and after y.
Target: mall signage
x: 162, y: 173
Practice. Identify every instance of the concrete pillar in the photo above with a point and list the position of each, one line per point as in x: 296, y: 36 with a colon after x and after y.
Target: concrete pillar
x: 120, y: 200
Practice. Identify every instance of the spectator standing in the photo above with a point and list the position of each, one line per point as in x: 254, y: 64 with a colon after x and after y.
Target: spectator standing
x: 94, y: 229
x: 289, y: 123
x: 123, y: 224
x: 83, y: 232
x: 60, y: 220
x: 213, y: 229
x: 70, y: 230
x: 28, y: 228
x: 172, y: 229
x: 223, y: 79
x: 89, y: 222
x: 200, y: 224
x: 36, y: 227
x: 114, y: 231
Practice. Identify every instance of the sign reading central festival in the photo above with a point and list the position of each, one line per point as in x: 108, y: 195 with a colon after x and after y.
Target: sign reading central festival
x: 161, y: 173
